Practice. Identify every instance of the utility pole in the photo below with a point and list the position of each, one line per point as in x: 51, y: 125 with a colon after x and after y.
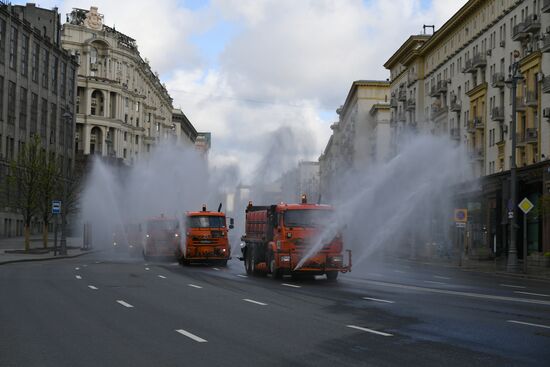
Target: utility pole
x: 515, y: 77
x: 67, y: 118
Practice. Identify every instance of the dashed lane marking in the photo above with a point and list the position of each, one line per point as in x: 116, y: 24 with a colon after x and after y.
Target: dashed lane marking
x: 161, y: 276
x: 255, y: 302
x: 533, y: 294
x: 194, y: 286
x: 291, y: 285
x: 512, y: 286
x: 77, y: 268
x: 432, y: 282
x: 198, y: 339
x: 78, y: 277
x: 125, y: 304
x: 369, y: 330
x: 215, y: 269
x: 378, y: 300
x: 92, y: 287
x: 441, y: 277
x: 529, y: 324
x: 399, y: 271
x: 242, y: 276
x: 147, y: 269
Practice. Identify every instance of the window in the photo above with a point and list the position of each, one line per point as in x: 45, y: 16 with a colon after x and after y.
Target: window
x: 25, y: 56
x: 55, y: 63
x: 23, y: 109
x: 71, y: 84
x: 124, y: 153
x: 63, y: 86
x: 34, y: 113
x: 2, y: 40
x: 137, y: 139
x: 125, y: 136
x: 34, y: 62
x: 1, y: 98
x: 13, y: 48
x: 43, y: 119
x: 11, y: 103
x: 53, y: 122
x: 45, y: 67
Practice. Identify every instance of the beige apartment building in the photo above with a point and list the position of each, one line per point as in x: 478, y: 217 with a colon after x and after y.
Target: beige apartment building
x: 122, y: 107
x: 361, y: 136
x: 455, y: 83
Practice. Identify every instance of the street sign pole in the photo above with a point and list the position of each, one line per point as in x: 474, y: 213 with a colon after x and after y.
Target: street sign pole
x: 55, y: 236
x: 526, y: 206
x: 56, y: 212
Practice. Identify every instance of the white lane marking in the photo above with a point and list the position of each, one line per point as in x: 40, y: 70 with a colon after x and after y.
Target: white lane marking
x: 441, y: 277
x: 191, y: 336
x: 92, y: 287
x: 378, y: 300
x: 399, y: 271
x: 432, y: 282
x: 533, y: 294
x: 528, y: 323
x: 455, y: 293
x: 194, y: 286
x: 78, y: 277
x: 512, y: 286
x: 77, y: 268
x: 291, y: 285
x: 125, y: 304
x: 242, y: 276
x: 215, y: 269
x: 84, y: 265
x: 146, y: 264
x: 255, y: 302
x: 369, y: 330
x: 147, y: 269
x: 161, y: 276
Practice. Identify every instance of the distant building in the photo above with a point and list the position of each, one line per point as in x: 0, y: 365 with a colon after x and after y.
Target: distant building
x: 37, y: 95
x: 203, y: 142
x: 123, y: 109
x: 184, y: 128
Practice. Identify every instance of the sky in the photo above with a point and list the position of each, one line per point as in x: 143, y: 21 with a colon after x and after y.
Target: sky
x: 245, y: 69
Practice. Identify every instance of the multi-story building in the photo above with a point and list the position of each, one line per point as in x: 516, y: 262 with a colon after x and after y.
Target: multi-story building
x: 454, y: 83
x: 358, y: 138
x: 122, y: 107
x: 37, y: 94
x: 184, y: 128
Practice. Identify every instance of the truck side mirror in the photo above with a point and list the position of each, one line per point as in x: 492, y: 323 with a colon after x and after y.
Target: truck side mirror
x: 231, y: 223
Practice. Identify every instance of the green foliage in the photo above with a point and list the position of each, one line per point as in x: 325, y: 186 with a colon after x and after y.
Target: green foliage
x: 547, y: 254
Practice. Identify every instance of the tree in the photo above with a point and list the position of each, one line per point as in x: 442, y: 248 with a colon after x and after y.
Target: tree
x: 24, y: 178
x: 49, y: 179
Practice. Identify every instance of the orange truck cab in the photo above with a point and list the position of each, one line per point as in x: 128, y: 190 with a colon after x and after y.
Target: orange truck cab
x: 206, y: 238
x: 162, y: 237
x: 279, y: 236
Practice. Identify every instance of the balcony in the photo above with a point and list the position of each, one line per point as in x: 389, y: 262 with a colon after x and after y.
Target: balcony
x: 531, y: 136
x: 497, y: 114
x: 442, y: 86
x: 402, y: 95
x: 476, y: 154
x: 520, y: 104
x: 456, y: 104
x: 545, y: 6
x: 497, y: 80
x: 411, y: 79
x: 455, y: 133
x: 433, y: 91
x: 532, y: 23
x: 545, y: 43
x: 438, y: 111
x: 468, y: 67
x: 546, y: 84
x: 531, y: 99
x: 393, y: 102
x: 411, y: 104
x: 479, y: 61
x: 519, y: 33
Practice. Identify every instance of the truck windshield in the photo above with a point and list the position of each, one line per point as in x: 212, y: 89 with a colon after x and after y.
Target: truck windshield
x: 205, y: 222
x: 306, y: 218
x: 162, y: 225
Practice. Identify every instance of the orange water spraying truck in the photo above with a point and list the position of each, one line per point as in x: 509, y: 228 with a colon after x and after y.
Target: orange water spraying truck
x: 279, y: 236
x: 206, y: 239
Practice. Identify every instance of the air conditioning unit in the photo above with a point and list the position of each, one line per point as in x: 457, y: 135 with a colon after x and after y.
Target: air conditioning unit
x: 546, y: 113
x: 502, y: 43
x: 489, y: 52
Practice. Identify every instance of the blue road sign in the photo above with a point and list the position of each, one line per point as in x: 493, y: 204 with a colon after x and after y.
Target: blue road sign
x: 56, y: 207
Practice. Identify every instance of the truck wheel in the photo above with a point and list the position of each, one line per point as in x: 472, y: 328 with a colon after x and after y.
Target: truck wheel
x: 248, y: 261
x: 223, y: 263
x: 275, y: 272
x: 145, y: 257
x: 184, y: 261
x: 332, y: 275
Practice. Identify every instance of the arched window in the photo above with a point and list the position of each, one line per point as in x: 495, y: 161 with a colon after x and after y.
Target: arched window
x: 97, y: 106
x: 93, y: 55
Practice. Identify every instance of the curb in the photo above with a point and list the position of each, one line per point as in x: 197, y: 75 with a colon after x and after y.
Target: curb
x: 46, y: 258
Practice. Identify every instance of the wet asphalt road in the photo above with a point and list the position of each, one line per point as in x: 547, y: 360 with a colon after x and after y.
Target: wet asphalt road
x: 104, y: 310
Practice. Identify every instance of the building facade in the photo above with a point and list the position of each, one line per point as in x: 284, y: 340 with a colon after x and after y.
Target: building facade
x: 123, y: 109
x: 359, y: 137
x: 184, y: 128
x: 37, y: 96
x: 455, y: 83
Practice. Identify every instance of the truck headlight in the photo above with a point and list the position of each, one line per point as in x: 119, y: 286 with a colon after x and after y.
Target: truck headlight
x: 176, y: 235
x: 289, y: 234
x: 285, y: 258
x: 336, y: 259
x: 114, y: 243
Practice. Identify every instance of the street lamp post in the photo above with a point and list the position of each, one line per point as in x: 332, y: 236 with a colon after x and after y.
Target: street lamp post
x: 67, y: 118
x: 515, y: 77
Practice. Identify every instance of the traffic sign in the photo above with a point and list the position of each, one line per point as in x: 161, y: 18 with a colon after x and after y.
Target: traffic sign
x: 56, y: 206
x: 461, y: 215
x: 525, y: 205
x: 460, y: 225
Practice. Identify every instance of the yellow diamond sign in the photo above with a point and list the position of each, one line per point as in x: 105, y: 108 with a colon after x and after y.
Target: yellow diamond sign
x: 526, y: 206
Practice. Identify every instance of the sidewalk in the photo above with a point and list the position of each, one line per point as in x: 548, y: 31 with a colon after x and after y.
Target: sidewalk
x: 12, y: 249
